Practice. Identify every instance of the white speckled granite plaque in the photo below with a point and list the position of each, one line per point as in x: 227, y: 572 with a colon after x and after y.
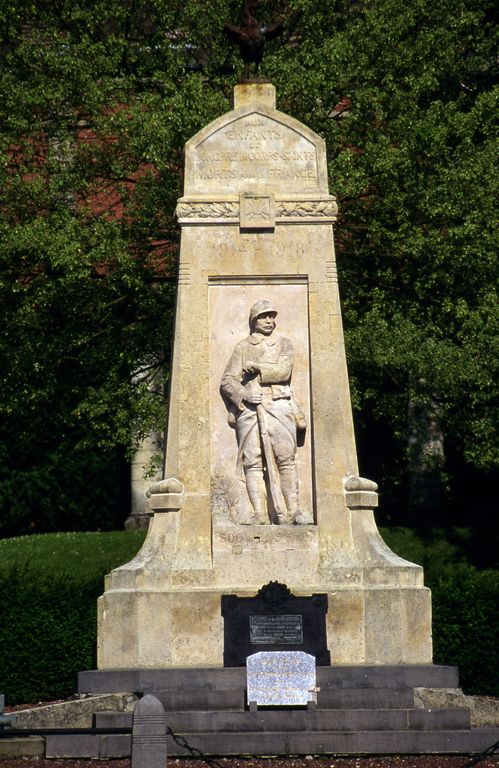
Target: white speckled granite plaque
x: 281, y: 678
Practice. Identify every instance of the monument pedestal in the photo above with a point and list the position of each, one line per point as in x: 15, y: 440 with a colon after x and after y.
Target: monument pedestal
x: 249, y: 495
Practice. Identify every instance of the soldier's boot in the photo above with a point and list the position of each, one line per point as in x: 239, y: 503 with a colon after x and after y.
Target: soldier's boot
x: 257, y: 492
x: 289, y: 487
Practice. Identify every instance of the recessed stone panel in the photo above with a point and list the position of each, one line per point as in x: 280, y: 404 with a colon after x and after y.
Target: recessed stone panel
x: 230, y: 304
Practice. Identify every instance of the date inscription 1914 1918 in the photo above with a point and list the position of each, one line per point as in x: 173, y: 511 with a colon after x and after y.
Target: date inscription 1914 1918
x: 274, y: 620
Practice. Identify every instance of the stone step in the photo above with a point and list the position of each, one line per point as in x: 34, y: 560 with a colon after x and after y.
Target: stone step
x: 387, y: 676
x: 205, y: 698
x: 289, y: 743
x: 338, y: 743
x: 319, y: 720
x: 25, y: 746
x: 113, y: 720
x: 232, y: 678
x: 296, y: 720
x: 327, y: 698
x: 348, y: 698
x: 365, y: 698
x: 88, y: 745
x: 152, y: 680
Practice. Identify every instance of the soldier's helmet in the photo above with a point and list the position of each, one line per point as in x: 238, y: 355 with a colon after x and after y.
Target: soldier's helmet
x: 262, y: 307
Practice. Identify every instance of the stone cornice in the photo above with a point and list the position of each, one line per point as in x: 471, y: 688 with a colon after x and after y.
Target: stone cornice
x: 313, y: 209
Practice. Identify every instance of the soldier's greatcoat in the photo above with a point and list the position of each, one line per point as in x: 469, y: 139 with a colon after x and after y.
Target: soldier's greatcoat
x: 274, y: 357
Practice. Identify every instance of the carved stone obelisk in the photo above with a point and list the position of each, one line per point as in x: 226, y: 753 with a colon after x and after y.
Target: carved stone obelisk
x: 261, y: 480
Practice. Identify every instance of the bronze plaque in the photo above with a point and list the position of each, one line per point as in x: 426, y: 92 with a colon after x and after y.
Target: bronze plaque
x: 272, y: 630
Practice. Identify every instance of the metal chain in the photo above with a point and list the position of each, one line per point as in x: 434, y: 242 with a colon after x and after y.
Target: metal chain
x: 194, y: 751
x: 492, y: 750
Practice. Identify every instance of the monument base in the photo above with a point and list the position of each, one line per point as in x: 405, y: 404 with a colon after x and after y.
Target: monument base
x: 143, y: 628
x: 154, y: 614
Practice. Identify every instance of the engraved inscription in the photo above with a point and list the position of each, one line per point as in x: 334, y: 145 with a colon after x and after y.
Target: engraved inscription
x: 265, y: 172
x: 279, y: 538
x: 282, y: 678
x: 256, y: 149
x: 256, y: 245
x: 276, y: 630
x: 251, y: 540
x: 211, y: 171
x: 255, y: 131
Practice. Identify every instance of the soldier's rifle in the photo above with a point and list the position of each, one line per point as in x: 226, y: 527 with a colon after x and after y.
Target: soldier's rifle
x: 272, y: 472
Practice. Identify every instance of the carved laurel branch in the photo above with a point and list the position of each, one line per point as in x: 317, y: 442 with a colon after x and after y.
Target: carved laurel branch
x: 307, y: 208
x: 207, y: 210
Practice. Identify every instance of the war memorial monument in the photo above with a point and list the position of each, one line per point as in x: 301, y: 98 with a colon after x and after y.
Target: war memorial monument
x: 261, y: 479
x: 262, y: 536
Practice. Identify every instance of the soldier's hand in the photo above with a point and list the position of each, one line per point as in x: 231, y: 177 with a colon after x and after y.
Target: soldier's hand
x: 253, y: 397
x: 251, y: 367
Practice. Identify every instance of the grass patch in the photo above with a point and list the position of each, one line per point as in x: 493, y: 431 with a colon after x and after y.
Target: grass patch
x: 85, y: 556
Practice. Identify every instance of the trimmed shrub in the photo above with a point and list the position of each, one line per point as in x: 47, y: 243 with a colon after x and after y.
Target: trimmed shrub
x: 49, y: 586
x: 466, y: 625
x: 47, y: 634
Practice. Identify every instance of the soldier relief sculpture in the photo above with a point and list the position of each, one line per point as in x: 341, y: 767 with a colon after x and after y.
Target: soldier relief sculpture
x: 269, y: 423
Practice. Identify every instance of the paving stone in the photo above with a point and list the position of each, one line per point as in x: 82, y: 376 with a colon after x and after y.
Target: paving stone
x: 30, y: 746
x: 72, y: 745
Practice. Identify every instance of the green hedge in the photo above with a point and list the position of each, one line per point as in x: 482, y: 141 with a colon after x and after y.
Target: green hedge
x: 47, y: 634
x: 466, y: 625
x: 49, y: 586
x: 48, y: 612
x: 464, y: 601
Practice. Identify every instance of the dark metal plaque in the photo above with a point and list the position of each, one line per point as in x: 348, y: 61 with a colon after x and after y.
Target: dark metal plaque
x: 274, y: 620
x: 272, y: 630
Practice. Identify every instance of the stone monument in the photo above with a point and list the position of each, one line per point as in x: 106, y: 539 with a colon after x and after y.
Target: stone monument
x: 261, y: 481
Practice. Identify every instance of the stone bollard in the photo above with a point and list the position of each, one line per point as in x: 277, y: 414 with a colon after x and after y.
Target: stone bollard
x: 149, y: 734
x: 5, y: 720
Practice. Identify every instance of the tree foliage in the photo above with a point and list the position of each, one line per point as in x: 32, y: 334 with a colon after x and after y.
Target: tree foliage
x: 405, y: 96
x: 98, y: 100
